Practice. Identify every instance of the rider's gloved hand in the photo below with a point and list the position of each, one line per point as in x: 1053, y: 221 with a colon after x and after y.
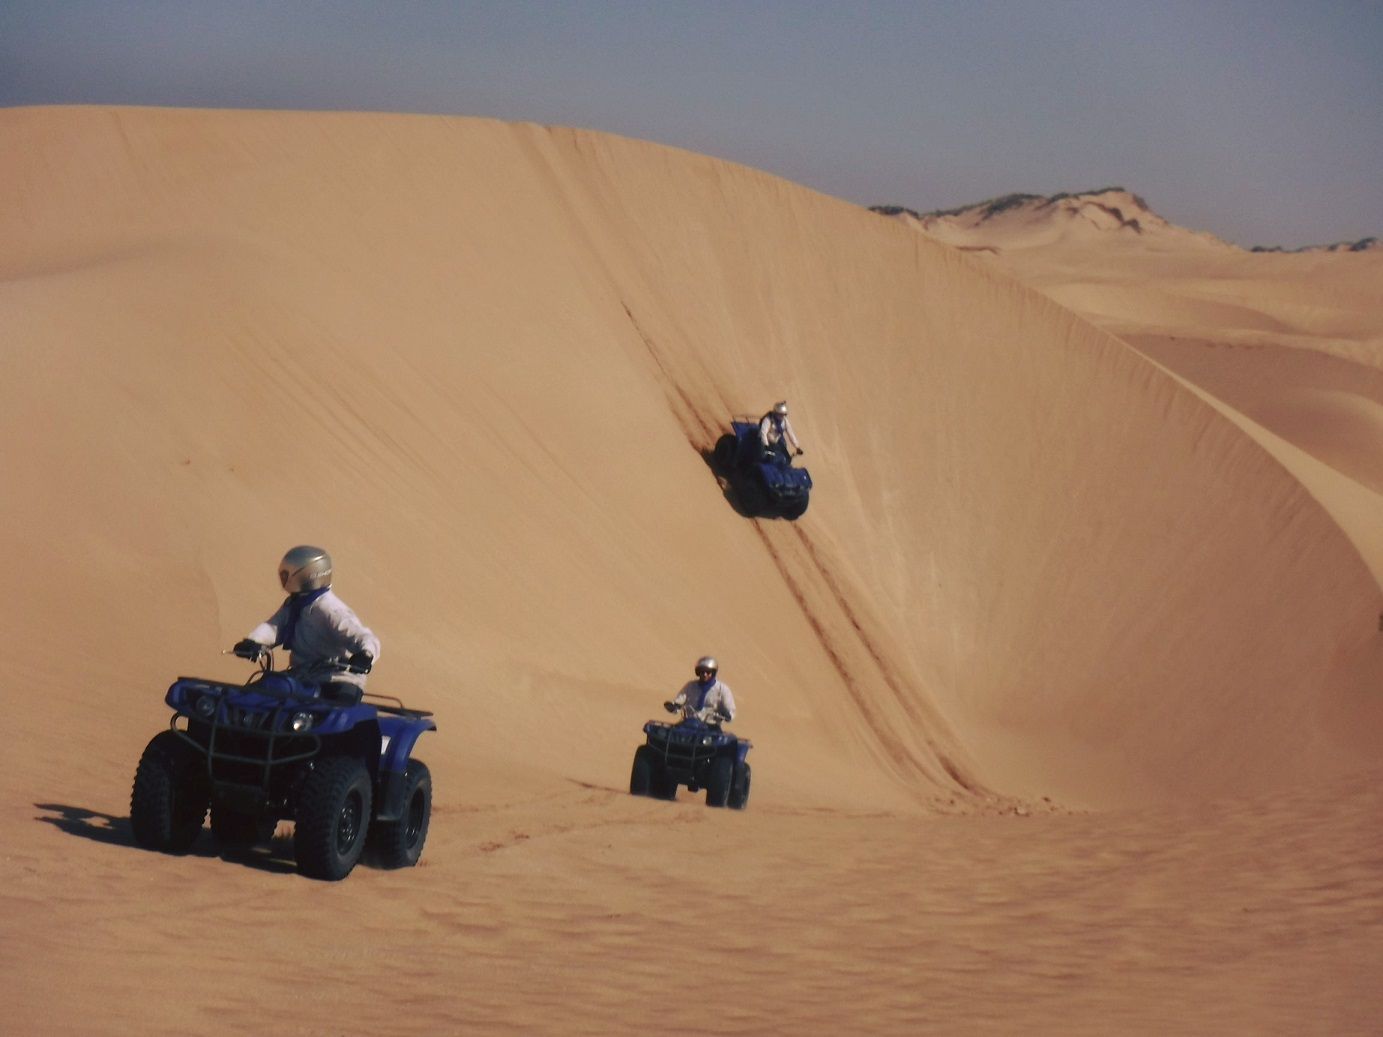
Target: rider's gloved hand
x: 671, y: 707
x: 247, y: 648
x: 360, y: 662
x: 799, y: 451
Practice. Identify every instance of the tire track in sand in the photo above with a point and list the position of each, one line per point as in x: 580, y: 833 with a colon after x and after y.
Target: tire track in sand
x: 863, y: 665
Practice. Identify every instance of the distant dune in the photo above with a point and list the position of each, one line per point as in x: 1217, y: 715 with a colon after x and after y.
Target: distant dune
x: 1099, y: 541
x: 1109, y: 213
x: 1022, y: 221
x: 1290, y: 346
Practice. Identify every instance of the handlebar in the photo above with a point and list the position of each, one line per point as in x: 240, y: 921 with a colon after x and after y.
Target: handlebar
x: 706, y: 715
x: 263, y: 655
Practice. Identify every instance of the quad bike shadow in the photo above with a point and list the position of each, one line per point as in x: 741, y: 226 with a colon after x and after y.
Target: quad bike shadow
x: 275, y: 856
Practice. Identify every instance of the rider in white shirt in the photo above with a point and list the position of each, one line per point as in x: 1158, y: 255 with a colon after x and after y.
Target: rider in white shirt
x: 776, y: 435
x: 706, y: 695
x: 314, y: 624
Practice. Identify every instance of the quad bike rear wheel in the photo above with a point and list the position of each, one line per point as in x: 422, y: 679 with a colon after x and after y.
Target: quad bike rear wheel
x: 237, y: 831
x: 399, y: 844
x: 664, y: 784
x: 726, y: 448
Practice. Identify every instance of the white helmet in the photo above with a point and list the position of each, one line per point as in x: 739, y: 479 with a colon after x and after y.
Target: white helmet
x: 781, y: 407
x: 305, y: 568
x: 706, y: 665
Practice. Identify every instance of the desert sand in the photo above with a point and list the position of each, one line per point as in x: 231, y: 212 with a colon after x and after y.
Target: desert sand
x: 1066, y: 693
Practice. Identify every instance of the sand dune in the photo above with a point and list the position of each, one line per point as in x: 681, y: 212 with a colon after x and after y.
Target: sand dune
x: 1062, y: 638
x: 1288, y: 345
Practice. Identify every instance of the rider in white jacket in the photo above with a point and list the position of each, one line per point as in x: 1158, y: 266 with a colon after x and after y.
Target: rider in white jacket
x: 776, y: 435
x: 706, y: 693
x: 313, y: 623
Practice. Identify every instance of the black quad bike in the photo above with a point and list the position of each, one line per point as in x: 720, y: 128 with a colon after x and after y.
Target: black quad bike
x: 694, y: 752
x: 287, y: 745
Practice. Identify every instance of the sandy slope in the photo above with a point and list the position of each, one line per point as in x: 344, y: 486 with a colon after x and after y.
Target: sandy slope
x: 481, y: 362
x: 1289, y: 346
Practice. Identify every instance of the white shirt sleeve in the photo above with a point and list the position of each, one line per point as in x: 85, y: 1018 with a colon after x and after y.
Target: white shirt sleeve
x: 727, y: 699
x: 765, y: 429
x: 789, y: 434
x: 267, y: 633
x: 353, y: 632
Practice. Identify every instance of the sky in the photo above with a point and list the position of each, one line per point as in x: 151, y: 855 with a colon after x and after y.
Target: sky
x: 1258, y: 120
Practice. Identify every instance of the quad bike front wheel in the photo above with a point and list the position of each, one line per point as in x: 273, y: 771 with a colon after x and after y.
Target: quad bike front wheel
x: 333, y: 817
x: 641, y: 774
x: 739, y: 787
x: 719, y: 780
x: 169, y: 800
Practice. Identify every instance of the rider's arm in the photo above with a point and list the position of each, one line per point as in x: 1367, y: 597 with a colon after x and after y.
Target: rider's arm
x: 789, y: 434
x: 727, y: 701
x: 267, y: 633
x: 765, y: 428
x: 355, y: 636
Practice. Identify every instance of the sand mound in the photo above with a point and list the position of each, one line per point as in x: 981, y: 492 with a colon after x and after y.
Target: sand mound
x: 1108, y: 218
x: 482, y: 362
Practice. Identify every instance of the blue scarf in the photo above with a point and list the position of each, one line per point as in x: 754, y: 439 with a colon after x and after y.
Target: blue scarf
x: 704, y: 689
x: 296, y: 604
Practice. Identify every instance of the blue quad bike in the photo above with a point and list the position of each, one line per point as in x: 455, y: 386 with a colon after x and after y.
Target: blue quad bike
x: 764, y: 483
x: 287, y: 745
x: 694, y: 752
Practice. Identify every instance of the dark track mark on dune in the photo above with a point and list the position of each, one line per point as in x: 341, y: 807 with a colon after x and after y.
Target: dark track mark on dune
x: 699, y: 430
x: 514, y: 839
x: 895, y: 681
x: 894, y: 746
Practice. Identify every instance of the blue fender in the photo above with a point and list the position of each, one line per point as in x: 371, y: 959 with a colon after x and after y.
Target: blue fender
x: 398, y: 735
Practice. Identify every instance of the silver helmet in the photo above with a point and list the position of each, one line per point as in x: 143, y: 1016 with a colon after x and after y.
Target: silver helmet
x: 707, y: 665
x: 781, y: 408
x: 305, y: 568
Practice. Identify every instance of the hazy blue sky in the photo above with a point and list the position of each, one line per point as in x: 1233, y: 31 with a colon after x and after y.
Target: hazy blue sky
x: 1260, y: 120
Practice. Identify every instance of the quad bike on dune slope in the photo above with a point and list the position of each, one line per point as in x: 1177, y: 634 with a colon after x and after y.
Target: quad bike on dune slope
x: 279, y: 747
x: 764, y: 483
x: 694, y: 752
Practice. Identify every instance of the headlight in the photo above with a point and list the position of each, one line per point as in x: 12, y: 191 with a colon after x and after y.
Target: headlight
x: 301, y: 720
x: 706, y: 739
x: 205, y: 706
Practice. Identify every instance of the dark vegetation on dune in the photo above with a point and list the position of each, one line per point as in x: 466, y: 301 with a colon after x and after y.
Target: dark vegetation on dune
x: 992, y: 207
